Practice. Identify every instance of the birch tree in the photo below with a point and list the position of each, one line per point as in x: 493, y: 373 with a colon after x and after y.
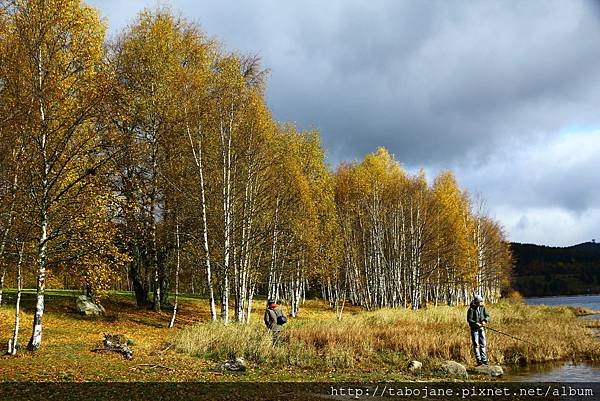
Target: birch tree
x: 303, y: 210
x: 146, y: 59
x: 194, y: 83
x: 454, y: 247
x: 10, y: 148
x: 407, y: 243
x: 56, y: 77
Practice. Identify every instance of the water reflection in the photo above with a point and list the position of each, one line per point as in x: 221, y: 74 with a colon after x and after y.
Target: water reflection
x: 554, y: 372
x: 560, y: 372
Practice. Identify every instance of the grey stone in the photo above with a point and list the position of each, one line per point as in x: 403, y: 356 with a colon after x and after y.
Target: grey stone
x: 491, y: 370
x: 234, y: 365
x: 85, y: 306
x: 454, y: 369
x: 415, y: 366
x: 118, y: 343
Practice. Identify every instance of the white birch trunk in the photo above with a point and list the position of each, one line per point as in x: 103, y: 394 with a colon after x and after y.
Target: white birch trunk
x: 226, y: 154
x: 36, y: 337
x: 155, y: 268
x: 250, y: 299
x: 2, y: 277
x: 272, y: 283
x: 42, y: 258
x: 13, y: 342
x: 175, y: 303
x: 205, y: 243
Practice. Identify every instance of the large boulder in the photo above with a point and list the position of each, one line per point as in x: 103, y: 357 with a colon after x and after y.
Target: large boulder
x: 87, y: 307
x: 454, y: 369
x: 491, y: 370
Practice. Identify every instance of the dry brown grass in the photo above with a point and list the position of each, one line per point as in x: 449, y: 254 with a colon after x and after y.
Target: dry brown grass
x: 390, y: 337
x: 375, y: 345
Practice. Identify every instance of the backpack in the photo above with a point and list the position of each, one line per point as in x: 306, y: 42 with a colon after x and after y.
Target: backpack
x: 281, y: 318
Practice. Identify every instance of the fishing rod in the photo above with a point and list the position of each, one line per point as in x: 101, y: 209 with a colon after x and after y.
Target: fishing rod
x: 508, y: 335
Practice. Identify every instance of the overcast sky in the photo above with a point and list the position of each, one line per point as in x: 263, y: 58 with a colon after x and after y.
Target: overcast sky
x: 504, y: 93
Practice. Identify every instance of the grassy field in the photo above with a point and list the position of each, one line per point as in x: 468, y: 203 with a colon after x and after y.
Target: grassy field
x: 366, y: 346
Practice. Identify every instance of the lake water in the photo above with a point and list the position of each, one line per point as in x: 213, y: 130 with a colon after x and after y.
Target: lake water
x: 560, y: 372
x: 586, y: 301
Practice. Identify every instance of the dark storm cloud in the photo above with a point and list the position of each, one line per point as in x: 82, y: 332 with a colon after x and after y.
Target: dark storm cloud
x: 432, y: 81
x: 495, y: 90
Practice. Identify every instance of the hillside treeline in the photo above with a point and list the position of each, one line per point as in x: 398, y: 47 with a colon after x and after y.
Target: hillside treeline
x: 151, y: 163
x: 543, y: 270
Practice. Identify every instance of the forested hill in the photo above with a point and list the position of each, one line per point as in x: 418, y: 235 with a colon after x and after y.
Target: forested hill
x: 543, y: 270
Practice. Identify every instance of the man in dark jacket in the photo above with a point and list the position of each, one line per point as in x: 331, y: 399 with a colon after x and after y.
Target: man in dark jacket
x: 478, y: 317
x: 274, y: 319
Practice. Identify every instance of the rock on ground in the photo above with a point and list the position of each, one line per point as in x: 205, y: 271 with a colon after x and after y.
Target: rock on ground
x: 415, y: 366
x: 118, y: 343
x: 234, y: 364
x: 454, y: 369
x: 86, y: 307
x: 492, y: 370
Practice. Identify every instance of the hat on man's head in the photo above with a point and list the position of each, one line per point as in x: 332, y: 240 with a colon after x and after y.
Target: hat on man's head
x: 270, y: 302
x: 478, y: 298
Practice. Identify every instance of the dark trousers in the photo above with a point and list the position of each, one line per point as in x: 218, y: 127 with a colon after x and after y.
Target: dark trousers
x: 479, y: 345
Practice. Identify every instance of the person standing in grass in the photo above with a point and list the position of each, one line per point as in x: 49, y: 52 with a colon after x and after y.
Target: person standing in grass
x: 478, y: 317
x: 274, y: 319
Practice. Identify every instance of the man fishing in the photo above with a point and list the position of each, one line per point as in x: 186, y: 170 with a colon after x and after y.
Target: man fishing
x: 274, y: 320
x: 478, y: 317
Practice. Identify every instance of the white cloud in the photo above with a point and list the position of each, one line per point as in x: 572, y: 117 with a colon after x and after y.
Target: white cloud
x: 543, y: 191
x: 550, y: 226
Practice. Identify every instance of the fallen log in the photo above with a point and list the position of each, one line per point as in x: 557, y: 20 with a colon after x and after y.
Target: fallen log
x: 116, y: 343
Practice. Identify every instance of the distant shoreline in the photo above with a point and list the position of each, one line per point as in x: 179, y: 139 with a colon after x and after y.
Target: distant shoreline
x: 565, y: 296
